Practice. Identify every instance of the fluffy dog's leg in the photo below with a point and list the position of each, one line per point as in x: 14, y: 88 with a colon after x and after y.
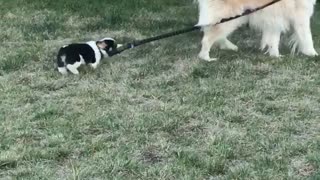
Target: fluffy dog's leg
x: 303, y: 37
x: 211, y: 34
x: 226, y: 44
x: 271, y: 40
x: 219, y: 34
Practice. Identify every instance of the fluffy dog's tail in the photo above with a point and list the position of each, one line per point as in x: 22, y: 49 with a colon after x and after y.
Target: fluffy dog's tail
x: 61, y: 61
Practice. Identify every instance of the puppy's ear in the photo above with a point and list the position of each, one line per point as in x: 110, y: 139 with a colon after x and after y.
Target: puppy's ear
x: 111, y: 44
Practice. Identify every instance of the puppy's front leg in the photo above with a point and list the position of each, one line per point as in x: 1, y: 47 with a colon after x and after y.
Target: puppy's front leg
x: 94, y: 65
x: 73, y: 68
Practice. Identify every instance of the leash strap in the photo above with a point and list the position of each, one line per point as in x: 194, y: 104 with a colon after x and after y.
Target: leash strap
x: 247, y: 12
x: 152, y: 39
x: 183, y: 31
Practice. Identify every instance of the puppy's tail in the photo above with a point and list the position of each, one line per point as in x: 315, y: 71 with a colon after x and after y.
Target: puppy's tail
x: 61, y: 61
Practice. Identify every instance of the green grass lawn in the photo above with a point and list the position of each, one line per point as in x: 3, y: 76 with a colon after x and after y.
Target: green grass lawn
x: 155, y: 112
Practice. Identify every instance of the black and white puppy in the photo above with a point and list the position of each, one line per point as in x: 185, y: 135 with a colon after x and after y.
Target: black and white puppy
x: 72, y: 56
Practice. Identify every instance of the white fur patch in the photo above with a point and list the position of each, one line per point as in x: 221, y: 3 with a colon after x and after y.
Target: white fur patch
x: 203, y: 13
x: 82, y: 60
x: 96, y: 50
x: 74, y: 67
x: 271, y: 21
x: 213, y: 11
x: 63, y: 70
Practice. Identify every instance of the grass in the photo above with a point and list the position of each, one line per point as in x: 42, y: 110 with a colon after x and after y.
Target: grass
x: 155, y: 112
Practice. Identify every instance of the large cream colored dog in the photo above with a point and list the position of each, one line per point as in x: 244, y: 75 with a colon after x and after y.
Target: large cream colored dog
x: 272, y: 22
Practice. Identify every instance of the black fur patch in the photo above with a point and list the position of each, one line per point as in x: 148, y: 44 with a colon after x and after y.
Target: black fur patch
x: 72, y: 53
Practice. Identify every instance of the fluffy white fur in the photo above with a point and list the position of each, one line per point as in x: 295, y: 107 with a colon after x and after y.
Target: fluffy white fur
x: 272, y: 22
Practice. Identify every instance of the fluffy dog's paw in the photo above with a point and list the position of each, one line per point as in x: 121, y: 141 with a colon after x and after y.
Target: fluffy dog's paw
x: 206, y: 57
x: 276, y: 55
x: 273, y: 53
x: 229, y: 46
x: 311, y: 52
x: 316, y: 54
x: 234, y: 48
x: 211, y: 59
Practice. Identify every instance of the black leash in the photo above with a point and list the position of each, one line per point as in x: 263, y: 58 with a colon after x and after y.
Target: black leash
x: 183, y: 31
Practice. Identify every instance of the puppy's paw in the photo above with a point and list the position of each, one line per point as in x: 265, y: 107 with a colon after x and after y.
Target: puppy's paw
x: 94, y: 66
x: 76, y: 72
x: 63, y: 70
x: 73, y: 71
